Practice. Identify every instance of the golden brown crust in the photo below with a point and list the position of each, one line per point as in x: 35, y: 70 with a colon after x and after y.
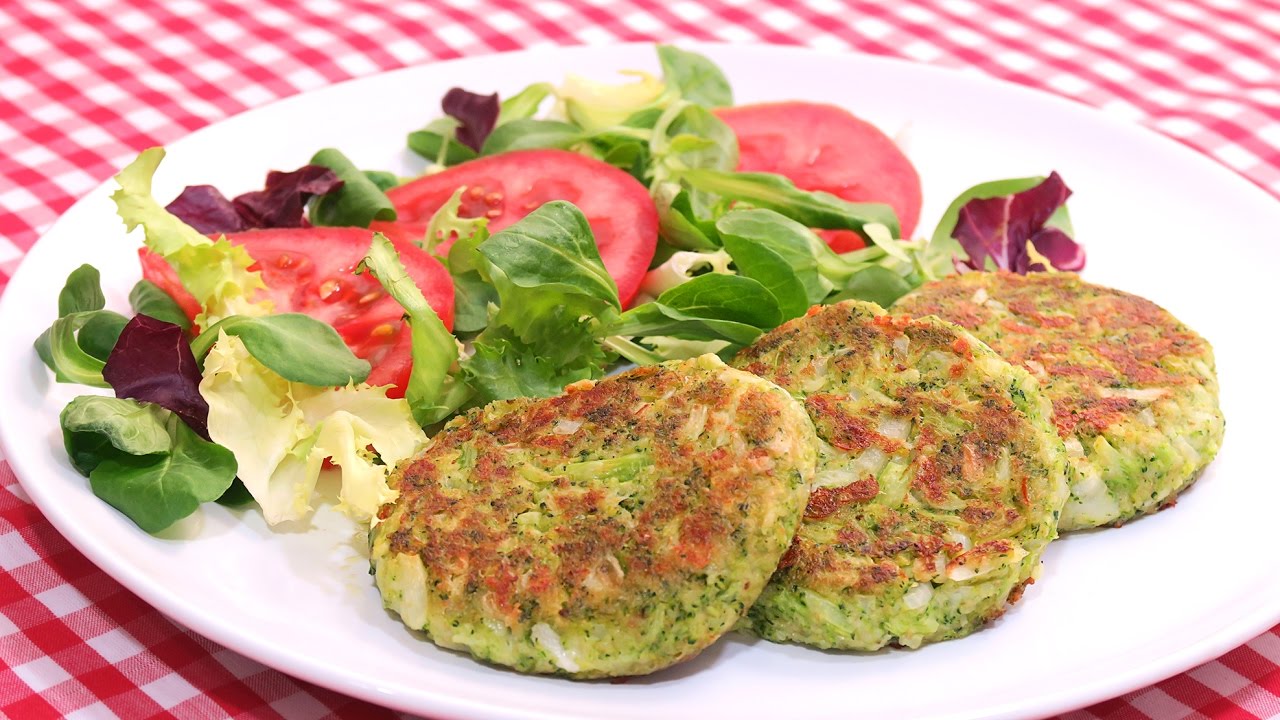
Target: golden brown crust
x: 634, y: 517
x: 1079, y: 338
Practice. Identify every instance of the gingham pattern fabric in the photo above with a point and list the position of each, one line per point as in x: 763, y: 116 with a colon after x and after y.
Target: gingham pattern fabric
x: 85, y: 84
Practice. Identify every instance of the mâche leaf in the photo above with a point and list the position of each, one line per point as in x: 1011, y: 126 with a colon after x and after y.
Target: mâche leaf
x: 725, y: 297
x: 82, y: 292
x: 382, y: 179
x: 764, y: 265
x: 552, y: 249
x: 357, y: 202
x: 813, y: 263
x: 437, y: 144
x: 875, y: 284
x: 553, y: 296
x: 297, y: 347
x: 714, y: 306
x: 144, y: 460
x: 58, y: 349
x: 527, y: 134
x: 690, y: 137
x: 100, y: 332
x: 156, y: 491
x: 146, y: 298
x: 77, y: 344
x: 695, y: 77
x: 95, y: 427
x: 677, y: 224
x: 775, y: 192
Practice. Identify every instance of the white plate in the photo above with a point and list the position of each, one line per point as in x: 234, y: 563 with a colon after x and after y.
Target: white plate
x: 1115, y: 610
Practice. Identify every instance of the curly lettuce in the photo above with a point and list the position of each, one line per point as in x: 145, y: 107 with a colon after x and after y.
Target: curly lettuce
x: 214, y: 271
x: 281, y: 433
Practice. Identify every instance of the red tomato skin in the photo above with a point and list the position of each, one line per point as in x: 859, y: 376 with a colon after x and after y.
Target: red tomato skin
x: 508, y: 186
x: 159, y: 271
x: 310, y: 270
x: 825, y: 147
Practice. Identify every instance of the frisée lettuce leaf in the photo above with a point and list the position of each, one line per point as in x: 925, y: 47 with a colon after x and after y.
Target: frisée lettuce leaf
x: 216, y: 272
x: 281, y: 433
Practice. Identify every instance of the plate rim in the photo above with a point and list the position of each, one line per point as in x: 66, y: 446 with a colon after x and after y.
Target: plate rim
x: 304, y: 668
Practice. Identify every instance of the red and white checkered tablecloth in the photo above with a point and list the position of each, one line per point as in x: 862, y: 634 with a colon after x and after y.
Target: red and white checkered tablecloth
x: 85, y: 84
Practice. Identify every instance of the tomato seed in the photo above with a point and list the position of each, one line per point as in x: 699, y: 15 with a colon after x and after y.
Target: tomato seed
x: 493, y: 213
x: 476, y: 192
x: 330, y: 290
x: 369, y: 297
x: 493, y: 198
x: 382, y: 330
x: 285, y: 261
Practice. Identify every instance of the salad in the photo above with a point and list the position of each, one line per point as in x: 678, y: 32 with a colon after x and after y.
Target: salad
x: 339, y: 315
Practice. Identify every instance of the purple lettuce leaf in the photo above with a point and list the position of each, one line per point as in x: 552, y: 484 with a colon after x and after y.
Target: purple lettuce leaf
x: 282, y: 201
x: 477, y: 115
x: 152, y: 362
x: 206, y: 209
x: 279, y: 204
x: 1000, y: 228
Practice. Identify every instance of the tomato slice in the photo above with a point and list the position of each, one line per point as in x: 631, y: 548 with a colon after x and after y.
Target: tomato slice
x: 159, y: 271
x: 310, y: 270
x: 824, y: 147
x: 506, y: 187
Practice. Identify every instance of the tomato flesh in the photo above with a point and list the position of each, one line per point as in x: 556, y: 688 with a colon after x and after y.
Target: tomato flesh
x: 311, y: 271
x: 506, y: 187
x: 824, y: 147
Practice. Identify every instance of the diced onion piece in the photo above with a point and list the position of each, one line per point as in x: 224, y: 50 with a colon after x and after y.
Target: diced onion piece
x: 1139, y: 394
x: 566, y: 427
x: 918, y: 596
x: 549, y: 641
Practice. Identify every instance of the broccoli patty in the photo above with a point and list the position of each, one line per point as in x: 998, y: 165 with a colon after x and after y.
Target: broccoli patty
x: 613, y: 530
x: 1134, y: 391
x: 939, y: 482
